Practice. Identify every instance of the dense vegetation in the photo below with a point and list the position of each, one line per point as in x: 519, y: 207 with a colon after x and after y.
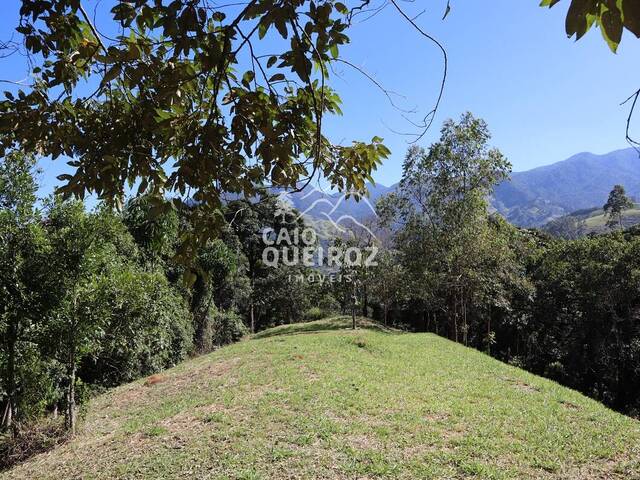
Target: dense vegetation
x: 93, y: 299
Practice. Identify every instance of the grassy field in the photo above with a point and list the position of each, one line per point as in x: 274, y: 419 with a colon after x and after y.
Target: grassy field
x: 599, y: 220
x: 320, y: 401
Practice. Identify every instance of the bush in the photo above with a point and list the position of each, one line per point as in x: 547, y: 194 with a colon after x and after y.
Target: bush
x: 329, y: 305
x: 30, y: 439
x: 314, y: 313
x: 146, y: 327
x: 228, y: 327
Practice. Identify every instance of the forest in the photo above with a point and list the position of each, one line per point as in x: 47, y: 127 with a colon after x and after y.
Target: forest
x: 93, y: 298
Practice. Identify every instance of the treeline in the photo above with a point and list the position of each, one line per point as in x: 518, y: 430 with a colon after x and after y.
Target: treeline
x: 565, y: 309
x: 93, y: 299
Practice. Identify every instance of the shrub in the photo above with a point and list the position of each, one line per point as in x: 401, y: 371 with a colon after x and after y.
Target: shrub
x: 228, y: 327
x: 314, y: 313
x: 30, y: 439
x: 146, y: 327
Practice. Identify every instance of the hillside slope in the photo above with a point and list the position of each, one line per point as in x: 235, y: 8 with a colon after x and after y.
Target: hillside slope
x: 319, y: 401
x: 533, y: 197
x: 587, y: 221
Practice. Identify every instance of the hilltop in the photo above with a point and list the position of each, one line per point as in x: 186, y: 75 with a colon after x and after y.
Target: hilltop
x: 318, y: 400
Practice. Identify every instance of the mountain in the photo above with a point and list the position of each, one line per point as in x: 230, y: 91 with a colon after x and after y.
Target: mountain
x: 528, y: 199
x: 319, y: 400
x: 534, y: 197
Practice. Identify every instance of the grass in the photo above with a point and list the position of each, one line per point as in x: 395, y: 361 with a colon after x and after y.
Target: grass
x: 598, y: 220
x: 318, y: 400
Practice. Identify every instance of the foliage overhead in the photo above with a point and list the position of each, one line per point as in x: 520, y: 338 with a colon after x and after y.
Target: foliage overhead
x: 612, y: 16
x: 179, y: 97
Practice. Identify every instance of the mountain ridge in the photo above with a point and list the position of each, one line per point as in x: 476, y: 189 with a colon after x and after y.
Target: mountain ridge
x: 530, y: 198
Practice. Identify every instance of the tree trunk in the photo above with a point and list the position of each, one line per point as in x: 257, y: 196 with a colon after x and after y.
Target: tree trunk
x: 465, y: 327
x: 11, y: 375
x: 489, y: 334
x: 6, y: 416
x: 353, y: 307
x: 386, y: 314
x: 200, y: 313
x: 252, y: 316
x: 365, y: 301
x: 70, y: 414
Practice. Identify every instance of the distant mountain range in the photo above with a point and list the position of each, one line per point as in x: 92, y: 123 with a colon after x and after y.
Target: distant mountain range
x: 529, y: 199
x: 534, y: 197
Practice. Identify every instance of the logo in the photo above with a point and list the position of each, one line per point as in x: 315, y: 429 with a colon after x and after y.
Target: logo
x: 351, y: 243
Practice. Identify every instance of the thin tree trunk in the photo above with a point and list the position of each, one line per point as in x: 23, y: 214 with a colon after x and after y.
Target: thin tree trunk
x: 489, y: 334
x: 365, y: 301
x: 251, y: 314
x: 353, y: 307
x: 6, y: 416
x: 455, y: 318
x: 70, y: 420
x: 11, y: 375
x: 464, y: 320
x: 70, y: 414
x: 386, y: 313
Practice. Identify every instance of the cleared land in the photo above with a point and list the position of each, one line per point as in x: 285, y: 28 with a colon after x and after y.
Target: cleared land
x: 317, y: 400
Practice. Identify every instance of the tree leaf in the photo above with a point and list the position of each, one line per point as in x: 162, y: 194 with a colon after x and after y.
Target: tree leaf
x: 112, y: 73
x: 631, y: 14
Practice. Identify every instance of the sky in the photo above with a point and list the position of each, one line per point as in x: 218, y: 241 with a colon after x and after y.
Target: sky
x: 545, y: 97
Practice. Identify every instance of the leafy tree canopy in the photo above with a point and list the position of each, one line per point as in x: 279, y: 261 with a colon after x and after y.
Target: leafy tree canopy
x: 177, y: 96
x: 616, y: 204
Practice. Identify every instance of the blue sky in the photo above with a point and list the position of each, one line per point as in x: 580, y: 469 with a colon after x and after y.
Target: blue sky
x: 545, y: 97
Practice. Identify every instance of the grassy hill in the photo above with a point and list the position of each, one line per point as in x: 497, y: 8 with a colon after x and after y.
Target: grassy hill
x: 598, y: 220
x: 319, y: 401
x: 591, y: 220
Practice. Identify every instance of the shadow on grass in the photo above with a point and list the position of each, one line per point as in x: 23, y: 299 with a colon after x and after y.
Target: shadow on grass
x: 324, y: 325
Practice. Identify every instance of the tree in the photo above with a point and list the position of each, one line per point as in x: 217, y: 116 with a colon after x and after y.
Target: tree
x: 215, y: 288
x: 183, y: 99
x: 445, y: 237
x: 22, y: 288
x: 153, y: 227
x: 250, y: 222
x: 386, y: 281
x: 144, y: 326
x: 84, y: 248
x: 616, y: 204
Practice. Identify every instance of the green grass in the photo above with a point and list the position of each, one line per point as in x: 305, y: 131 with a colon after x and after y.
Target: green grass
x: 598, y: 220
x: 318, y: 400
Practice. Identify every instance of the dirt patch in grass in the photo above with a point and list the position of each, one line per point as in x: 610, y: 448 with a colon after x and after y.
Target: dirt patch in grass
x: 569, y: 405
x: 364, y: 442
x: 519, y: 384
